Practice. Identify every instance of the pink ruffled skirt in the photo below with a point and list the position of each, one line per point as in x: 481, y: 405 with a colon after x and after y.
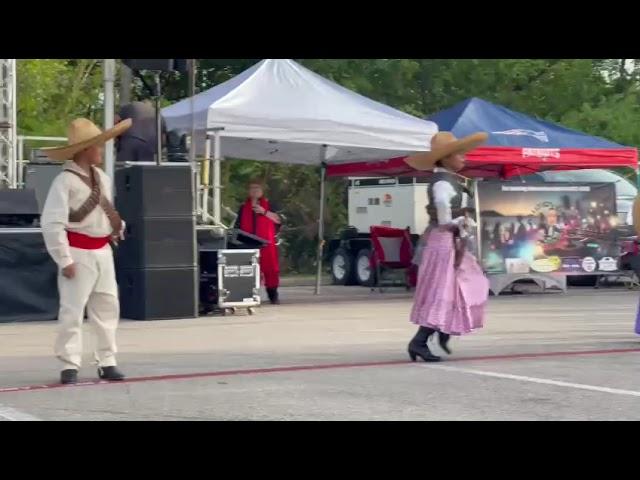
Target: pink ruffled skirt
x: 451, y: 300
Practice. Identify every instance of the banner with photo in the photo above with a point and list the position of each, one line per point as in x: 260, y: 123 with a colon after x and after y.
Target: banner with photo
x: 543, y: 228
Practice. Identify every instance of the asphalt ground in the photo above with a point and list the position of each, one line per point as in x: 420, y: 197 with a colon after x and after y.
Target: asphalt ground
x: 342, y: 356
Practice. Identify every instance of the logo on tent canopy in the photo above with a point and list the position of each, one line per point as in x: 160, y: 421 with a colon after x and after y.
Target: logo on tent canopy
x: 541, y: 136
x: 541, y: 152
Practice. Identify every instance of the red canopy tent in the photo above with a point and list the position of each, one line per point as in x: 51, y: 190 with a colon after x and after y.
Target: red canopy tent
x: 501, y: 162
x: 518, y: 145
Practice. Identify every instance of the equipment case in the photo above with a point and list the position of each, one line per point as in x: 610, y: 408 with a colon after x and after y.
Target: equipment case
x: 229, y: 279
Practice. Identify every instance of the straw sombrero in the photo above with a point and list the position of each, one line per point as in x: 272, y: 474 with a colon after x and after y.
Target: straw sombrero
x: 444, y: 144
x: 82, y: 134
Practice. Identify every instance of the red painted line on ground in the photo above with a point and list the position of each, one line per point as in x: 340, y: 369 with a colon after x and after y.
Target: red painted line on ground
x: 302, y: 368
x: 524, y: 356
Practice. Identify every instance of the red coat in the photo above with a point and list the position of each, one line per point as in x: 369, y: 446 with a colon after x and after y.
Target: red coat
x: 259, y: 225
x: 265, y: 228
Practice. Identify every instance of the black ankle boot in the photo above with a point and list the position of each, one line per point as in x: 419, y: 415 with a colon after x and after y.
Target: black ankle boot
x: 110, y: 373
x: 418, y: 346
x: 272, y: 293
x: 443, y: 341
x: 69, y: 376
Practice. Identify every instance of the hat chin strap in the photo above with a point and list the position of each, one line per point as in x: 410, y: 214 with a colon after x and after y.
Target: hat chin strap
x: 446, y: 170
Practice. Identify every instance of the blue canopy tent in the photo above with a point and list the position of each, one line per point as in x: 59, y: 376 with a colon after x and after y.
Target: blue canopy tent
x: 508, y: 128
x: 518, y: 145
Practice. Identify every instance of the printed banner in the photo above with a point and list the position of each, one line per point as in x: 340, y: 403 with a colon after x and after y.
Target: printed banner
x: 543, y: 228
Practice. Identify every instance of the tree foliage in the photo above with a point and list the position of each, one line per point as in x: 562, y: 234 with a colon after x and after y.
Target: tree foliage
x: 50, y: 92
x: 596, y: 96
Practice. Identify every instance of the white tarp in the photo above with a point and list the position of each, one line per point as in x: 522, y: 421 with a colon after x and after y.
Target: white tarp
x: 280, y: 111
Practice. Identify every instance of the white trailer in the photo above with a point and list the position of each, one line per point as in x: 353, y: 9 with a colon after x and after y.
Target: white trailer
x: 392, y: 202
x: 401, y: 203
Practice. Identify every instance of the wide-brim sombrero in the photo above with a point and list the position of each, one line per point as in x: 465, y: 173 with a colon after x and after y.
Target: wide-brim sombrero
x: 82, y: 134
x: 444, y: 144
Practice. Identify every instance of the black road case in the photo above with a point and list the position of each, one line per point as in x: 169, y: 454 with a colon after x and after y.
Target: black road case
x: 229, y: 279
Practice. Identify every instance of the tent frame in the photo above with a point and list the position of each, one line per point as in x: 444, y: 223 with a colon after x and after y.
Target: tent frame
x: 213, y: 162
x: 353, y: 135
x: 323, y: 178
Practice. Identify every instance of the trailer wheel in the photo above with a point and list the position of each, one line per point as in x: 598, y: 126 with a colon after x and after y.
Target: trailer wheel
x: 341, y: 267
x: 364, y: 274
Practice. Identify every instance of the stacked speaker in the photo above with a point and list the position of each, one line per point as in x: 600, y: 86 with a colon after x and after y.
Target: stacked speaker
x: 157, y: 262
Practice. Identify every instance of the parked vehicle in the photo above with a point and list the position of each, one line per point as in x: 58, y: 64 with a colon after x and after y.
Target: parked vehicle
x: 401, y: 203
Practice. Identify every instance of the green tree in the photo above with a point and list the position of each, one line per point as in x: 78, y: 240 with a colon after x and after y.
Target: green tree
x: 597, y: 96
x: 52, y: 92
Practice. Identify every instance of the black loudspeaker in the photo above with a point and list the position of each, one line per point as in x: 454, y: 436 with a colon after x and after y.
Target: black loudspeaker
x: 154, y: 191
x: 19, y: 208
x: 158, y: 293
x: 39, y: 177
x: 156, y: 264
x: 153, y: 242
x: 17, y: 201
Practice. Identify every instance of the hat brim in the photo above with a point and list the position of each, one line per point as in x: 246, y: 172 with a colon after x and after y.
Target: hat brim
x: 67, y: 152
x: 427, y: 160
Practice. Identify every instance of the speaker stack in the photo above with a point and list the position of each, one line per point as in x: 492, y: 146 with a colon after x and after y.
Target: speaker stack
x: 157, y: 263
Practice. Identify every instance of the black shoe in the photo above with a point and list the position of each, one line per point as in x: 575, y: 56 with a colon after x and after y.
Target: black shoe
x: 422, y: 352
x: 418, y: 346
x: 69, y: 376
x: 272, y: 293
x: 443, y: 341
x: 111, y: 374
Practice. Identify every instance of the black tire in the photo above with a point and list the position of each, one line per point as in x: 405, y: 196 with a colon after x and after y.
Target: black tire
x: 341, y: 267
x: 360, y: 271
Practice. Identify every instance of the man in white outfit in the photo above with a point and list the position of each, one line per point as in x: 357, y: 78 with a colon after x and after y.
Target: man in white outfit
x: 78, y: 225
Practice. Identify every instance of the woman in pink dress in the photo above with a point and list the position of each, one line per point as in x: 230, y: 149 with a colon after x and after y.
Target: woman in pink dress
x: 452, y: 290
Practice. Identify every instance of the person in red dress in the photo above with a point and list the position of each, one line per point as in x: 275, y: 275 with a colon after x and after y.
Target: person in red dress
x: 258, y: 217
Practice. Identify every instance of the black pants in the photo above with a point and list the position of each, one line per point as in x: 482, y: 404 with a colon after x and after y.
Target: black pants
x: 135, y: 150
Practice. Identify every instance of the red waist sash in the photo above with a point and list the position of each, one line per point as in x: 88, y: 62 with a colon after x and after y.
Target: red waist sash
x: 85, y: 242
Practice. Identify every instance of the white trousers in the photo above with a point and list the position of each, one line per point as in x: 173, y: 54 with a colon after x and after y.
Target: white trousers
x: 94, y: 287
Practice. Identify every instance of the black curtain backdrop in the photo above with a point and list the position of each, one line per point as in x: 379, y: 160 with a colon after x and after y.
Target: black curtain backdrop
x: 28, y: 278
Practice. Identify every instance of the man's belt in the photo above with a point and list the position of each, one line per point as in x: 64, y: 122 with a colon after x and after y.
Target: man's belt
x: 85, y: 242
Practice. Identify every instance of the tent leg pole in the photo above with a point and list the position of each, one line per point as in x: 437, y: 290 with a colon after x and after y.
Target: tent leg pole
x: 109, y: 73
x: 194, y: 186
x: 323, y: 174
x: 158, y: 118
x: 478, y: 220
x: 206, y: 175
x: 195, y: 174
x: 192, y: 93
x: 216, y: 178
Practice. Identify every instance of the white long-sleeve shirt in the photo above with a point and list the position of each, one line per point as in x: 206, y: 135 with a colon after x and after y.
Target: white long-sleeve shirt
x: 443, y: 193
x: 68, y: 193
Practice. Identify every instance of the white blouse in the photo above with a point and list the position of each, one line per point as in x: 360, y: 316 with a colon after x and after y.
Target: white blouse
x: 443, y: 193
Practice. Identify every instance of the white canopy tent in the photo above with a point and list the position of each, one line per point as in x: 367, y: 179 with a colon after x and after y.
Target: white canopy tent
x: 281, y: 112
